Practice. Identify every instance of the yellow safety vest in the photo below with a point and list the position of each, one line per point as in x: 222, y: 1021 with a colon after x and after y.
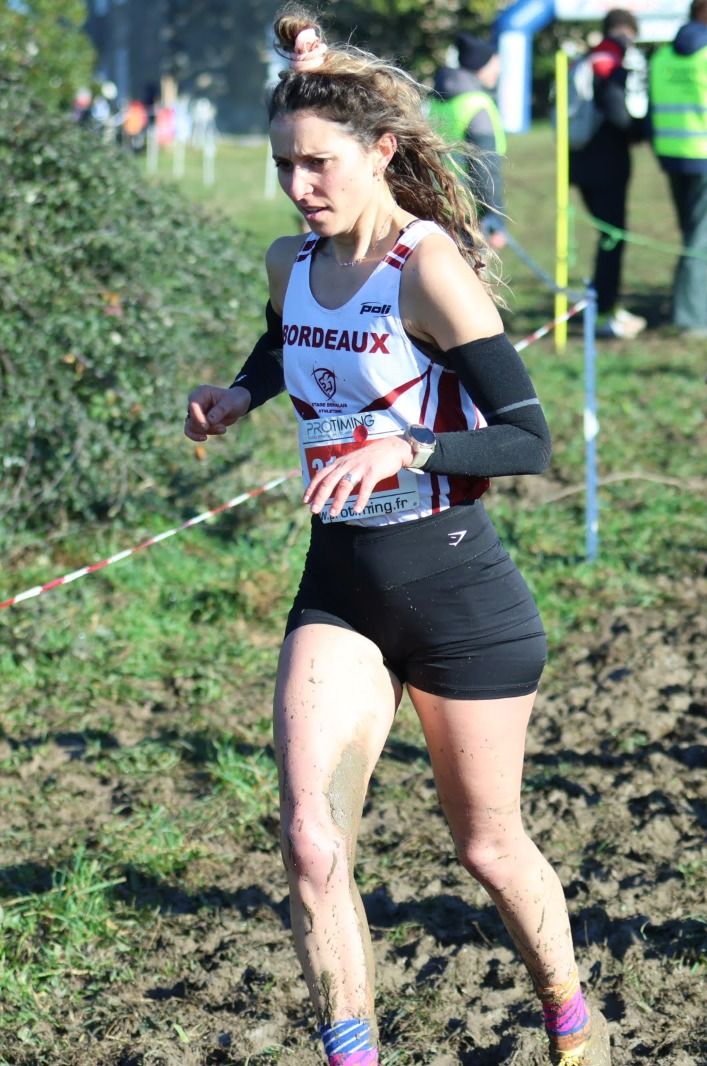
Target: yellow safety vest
x: 678, y: 89
x: 452, y: 117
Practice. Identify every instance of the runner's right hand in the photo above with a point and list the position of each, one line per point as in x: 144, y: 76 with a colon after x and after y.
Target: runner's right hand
x: 211, y: 410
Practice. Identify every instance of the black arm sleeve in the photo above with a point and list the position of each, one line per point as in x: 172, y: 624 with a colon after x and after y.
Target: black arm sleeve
x: 516, y: 439
x: 262, y: 374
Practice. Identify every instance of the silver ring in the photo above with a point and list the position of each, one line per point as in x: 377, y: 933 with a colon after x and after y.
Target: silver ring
x: 349, y: 478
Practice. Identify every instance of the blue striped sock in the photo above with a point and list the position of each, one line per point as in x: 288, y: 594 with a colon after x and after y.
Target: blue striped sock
x: 350, y: 1041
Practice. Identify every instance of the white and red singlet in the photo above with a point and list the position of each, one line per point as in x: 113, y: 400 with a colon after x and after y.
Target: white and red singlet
x: 355, y: 375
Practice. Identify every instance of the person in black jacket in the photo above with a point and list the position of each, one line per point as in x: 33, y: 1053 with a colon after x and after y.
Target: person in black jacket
x: 602, y: 169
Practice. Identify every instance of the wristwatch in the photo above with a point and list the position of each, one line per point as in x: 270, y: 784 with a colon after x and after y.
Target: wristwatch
x: 423, y: 443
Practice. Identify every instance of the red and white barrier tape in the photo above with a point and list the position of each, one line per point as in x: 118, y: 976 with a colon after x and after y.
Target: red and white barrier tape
x: 39, y: 589
x: 544, y: 330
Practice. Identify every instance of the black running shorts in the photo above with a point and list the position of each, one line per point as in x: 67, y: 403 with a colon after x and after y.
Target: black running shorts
x: 439, y: 596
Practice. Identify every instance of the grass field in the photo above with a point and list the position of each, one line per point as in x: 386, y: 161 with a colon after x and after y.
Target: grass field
x: 134, y: 703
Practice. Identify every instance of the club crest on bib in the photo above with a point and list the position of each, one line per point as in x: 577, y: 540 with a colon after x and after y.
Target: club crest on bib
x: 326, y: 380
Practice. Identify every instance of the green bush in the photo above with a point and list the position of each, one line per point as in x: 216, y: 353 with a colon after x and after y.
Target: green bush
x: 43, y: 43
x: 114, y: 295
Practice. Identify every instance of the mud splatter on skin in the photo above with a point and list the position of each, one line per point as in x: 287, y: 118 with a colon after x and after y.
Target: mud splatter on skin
x: 327, y: 1011
x: 347, y: 791
x: 503, y: 812
x: 310, y: 919
x: 346, y: 795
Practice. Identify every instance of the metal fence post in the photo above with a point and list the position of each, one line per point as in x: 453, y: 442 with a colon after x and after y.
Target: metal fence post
x: 591, y: 425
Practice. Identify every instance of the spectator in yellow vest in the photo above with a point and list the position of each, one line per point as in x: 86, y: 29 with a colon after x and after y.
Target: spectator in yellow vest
x: 464, y: 109
x: 678, y: 88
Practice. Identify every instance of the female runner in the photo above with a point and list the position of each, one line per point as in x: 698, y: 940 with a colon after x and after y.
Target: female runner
x: 408, y: 397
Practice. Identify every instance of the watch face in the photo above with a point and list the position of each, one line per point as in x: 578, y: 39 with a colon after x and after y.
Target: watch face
x: 422, y: 436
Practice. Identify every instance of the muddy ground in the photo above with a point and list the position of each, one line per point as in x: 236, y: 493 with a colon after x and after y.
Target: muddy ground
x: 616, y: 797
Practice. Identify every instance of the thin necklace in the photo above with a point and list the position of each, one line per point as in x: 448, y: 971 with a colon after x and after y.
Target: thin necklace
x: 371, y: 247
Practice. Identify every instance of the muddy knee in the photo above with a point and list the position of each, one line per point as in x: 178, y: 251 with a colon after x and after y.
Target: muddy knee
x: 315, y: 851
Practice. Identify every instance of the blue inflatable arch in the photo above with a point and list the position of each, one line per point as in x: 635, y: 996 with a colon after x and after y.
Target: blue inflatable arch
x: 514, y: 30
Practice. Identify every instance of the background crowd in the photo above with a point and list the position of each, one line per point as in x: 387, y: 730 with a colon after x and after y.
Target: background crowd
x: 661, y: 99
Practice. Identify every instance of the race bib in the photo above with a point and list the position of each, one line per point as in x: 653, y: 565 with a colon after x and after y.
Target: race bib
x: 322, y: 440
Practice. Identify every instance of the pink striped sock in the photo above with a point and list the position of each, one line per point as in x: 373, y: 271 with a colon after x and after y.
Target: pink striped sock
x: 358, y: 1058
x: 566, y: 1016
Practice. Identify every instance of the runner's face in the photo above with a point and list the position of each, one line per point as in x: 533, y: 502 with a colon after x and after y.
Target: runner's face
x: 327, y: 173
